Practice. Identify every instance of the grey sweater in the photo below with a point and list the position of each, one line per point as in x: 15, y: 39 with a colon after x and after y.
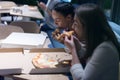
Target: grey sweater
x: 103, y: 65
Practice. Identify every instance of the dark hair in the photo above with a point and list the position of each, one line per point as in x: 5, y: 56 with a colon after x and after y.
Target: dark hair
x: 96, y: 27
x: 64, y: 8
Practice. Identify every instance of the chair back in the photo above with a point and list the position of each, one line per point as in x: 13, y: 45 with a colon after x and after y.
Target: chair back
x: 5, y: 30
x: 27, y: 26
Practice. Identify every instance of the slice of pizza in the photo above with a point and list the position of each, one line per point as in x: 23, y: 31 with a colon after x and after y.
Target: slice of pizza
x: 62, y: 35
x: 44, y: 61
x: 57, y: 35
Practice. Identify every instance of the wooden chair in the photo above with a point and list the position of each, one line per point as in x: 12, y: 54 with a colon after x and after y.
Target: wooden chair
x: 5, y: 30
x: 27, y: 26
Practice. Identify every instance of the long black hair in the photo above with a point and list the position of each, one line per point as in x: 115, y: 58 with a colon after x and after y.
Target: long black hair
x: 96, y: 27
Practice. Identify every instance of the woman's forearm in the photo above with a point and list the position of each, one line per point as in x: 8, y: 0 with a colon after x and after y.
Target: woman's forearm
x: 75, y: 58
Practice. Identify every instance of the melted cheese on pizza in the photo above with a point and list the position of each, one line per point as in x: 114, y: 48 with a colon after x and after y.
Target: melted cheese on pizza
x: 44, y: 61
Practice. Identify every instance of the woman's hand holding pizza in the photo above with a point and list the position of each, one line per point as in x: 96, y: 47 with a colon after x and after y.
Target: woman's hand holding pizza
x: 61, y: 36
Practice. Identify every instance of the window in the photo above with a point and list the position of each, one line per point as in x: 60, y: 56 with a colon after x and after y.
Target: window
x: 115, y: 11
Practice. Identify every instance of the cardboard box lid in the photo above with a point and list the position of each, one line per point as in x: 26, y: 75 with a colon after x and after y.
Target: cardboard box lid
x: 11, y: 50
x: 24, y: 40
x: 11, y: 60
x: 34, y: 50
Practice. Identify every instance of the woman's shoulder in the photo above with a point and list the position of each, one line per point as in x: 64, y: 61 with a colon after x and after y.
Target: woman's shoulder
x: 106, y: 53
x: 106, y: 48
x: 107, y: 44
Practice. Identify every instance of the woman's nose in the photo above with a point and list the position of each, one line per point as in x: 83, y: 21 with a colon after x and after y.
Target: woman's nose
x: 73, y: 26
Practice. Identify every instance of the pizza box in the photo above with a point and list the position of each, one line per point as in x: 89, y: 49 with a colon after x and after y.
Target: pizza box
x: 11, y: 60
x: 24, y: 40
x: 57, y: 53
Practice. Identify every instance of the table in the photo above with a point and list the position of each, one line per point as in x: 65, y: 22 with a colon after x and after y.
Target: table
x: 26, y: 11
x: 5, y: 8
x: 39, y: 76
x: 13, y: 9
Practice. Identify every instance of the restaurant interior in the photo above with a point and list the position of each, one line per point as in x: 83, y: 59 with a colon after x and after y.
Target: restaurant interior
x: 22, y: 31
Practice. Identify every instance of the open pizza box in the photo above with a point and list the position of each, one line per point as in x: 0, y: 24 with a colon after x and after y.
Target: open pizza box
x: 11, y: 60
x: 17, y: 60
x: 58, y: 54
